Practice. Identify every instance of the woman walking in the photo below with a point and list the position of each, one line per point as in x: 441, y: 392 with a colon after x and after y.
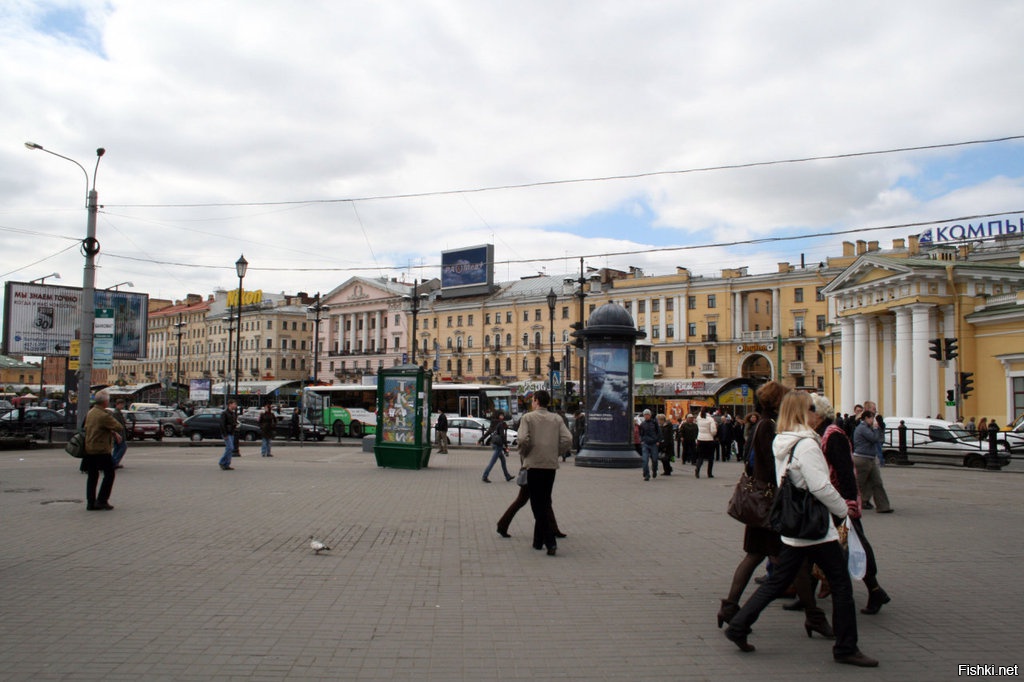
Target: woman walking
x: 798, y: 453
x: 706, y: 443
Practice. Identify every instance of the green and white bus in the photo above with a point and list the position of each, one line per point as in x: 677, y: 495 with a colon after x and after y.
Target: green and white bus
x: 345, y: 410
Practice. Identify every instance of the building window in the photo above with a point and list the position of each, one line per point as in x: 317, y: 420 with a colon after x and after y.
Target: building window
x: 691, y: 329
x: 798, y: 325
x: 270, y: 324
x: 469, y: 365
x: 668, y: 358
x: 565, y: 312
x: 469, y: 320
x: 526, y: 365
x: 691, y: 358
x: 487, y: 366
x: 458, y: 322
x: 713, y: 331
x: 821, y: 324
x: 641, y: 306
x: 669, y: 305
x: 712, y: 355
x: 670, y: 331
x: 450, y: 318
x: 655, y: 333
x: 508, y: 364
x: 526, y: 339
x: 508, y: 317
x: 798, y: 295
x: 656, y: 305
x: 711, y: 300
x: 508, y: 339
x: 818, y: 295
x: 536, y: 315
x: 469, y: 342
x: 487, y: 318
x: 691, y: 302
x: 799, y: 349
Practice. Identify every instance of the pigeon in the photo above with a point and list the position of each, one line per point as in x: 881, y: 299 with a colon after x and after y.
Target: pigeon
x: 317, y: 546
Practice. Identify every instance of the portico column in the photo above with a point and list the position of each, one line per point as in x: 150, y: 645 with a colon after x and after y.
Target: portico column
x: 904, y: 366
x: 737, y: 315
x: 861, y: 360
x: 846, y: 336
x: 921, y: 332
x: 365, y: 336
x: 777, y: 316
x: 377, y: 330
x: 647, y: 317
x: 886, y: 366
x: 662, y: 319
x: 352, y: 332
x: 874, y: 366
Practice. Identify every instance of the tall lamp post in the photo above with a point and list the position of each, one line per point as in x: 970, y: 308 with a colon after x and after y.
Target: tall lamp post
x: 178, y: 328
x: 414, y: 308
x: 314, y: 312
x: 90, y: 247
x: 241, y: 265
x: 552, y: 299
x: 42, y: 280
x: 227, y: 364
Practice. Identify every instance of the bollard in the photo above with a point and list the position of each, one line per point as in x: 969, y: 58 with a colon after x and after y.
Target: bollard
x: 903, y: 442
x: 993, y: 453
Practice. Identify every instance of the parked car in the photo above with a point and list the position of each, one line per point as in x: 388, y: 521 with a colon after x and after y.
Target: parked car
x: 471, y: 430
x: 283, y: 428
x: 200, y: 426
x: 172, y: 422
x: 140, y: 425
x: 934, y: 441
x: 38, y: 422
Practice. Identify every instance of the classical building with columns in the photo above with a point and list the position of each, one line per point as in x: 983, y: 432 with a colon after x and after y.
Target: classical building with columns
x: 889, y: 306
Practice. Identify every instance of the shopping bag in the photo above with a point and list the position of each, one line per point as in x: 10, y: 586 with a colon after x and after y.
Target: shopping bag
x: 857, y: 559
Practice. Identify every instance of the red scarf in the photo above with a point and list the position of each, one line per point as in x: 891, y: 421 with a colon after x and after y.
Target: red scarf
x: 829, y: 432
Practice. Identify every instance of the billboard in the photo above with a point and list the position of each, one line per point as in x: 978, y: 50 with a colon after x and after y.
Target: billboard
x: 467, y: 272
x: 43, y: 319
x: 985, y: 228
x: 610, y: 410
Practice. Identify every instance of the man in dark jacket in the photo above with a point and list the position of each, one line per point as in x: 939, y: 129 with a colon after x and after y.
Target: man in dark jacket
x: 650, y: 438
x: 228, y: 430
x: 688, y: 432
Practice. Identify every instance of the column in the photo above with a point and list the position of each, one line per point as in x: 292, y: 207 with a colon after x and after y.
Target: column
x: 352, y: 332
x: 874, y: 365
x: 888, y: 330
x: 904, y: 363
x: 861, y: 360
x: 846, y: 358
x: 777, y: 317
x: 921, y: 332
x: 647, y: 318
x: 365, y: 336
x: 662, y: 319
x: 737, y: 315
x: 377, y: 330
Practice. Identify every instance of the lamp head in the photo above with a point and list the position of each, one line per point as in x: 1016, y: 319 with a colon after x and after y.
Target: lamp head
x: 552, y: 298
x: 241, y: 265
x: 33, y: 145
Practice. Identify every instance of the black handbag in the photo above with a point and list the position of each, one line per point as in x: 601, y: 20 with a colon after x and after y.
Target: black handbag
x: 796, y: 513
x: 751, y: 501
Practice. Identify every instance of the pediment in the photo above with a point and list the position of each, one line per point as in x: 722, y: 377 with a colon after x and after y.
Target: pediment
x: 867, y: 270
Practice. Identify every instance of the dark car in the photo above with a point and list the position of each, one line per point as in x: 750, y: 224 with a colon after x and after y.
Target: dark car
x: 283, y: 428
x: 38, y: 422
x: 142, y: 425
x: 172, y: 422
x: 201, y: 426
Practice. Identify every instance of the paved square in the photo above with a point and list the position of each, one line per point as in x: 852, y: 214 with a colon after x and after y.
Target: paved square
x: 203, y: 574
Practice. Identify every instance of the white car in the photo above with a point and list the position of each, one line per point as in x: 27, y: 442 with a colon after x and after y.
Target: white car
x: 935, y: 441
x: 469, y: 431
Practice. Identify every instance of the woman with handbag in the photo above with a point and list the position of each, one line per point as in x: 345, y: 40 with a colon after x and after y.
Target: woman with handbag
x: 807, y: 533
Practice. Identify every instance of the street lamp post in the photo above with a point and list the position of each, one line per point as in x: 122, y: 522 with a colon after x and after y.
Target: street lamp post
x: 552, y: 299
x: 178, y: 328
x: 314, y: 312
x: 42, y: 280
x: 227, y: 364
x: 117, y: 286
x: 90, y: 247
x: 241, y: 265
x: 414, y: 308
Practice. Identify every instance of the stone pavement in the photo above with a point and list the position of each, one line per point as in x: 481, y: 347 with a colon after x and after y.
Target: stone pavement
x: 200, y: 574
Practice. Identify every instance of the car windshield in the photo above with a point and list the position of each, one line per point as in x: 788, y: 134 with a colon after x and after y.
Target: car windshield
x: 961, y: 433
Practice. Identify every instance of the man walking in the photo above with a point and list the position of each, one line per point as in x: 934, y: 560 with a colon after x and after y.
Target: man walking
x: 228, y: 429
x: 121, y: 447
x: 267, y: 423
x: 441, y: 427
x: 867, y: 440
x: 688, y: 433
x: 650, y: 437
x: 543, y: 437
x: 498, y: 432
x: 102, y: 431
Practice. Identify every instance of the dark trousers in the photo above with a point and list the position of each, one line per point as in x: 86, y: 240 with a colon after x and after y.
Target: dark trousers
x: 524, y: 496
x: 706, y: 451
x: 832, y: 561
x: 539, y: 483
x: 666, y: 460
x: 94, y: 464
x: 690, y: 451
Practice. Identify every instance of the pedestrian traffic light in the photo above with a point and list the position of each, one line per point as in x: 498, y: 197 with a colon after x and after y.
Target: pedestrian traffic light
x: 950, y: 348
x: 936, y: 348
x: 966, y: 383
x: 950, y: 395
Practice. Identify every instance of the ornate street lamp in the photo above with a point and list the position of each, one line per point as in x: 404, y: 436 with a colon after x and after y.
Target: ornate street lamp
x: 552, y: 299
x: 241, y: 265
x: 178, y: 328
x: 42, y: 280
x: 414, y: 308
x: 314, y: 312
x: 90, y: 247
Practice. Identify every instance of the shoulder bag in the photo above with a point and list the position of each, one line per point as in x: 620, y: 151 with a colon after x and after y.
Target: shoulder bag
x: 751, y: 501
x: 76, y: 445
x: 796, y: 513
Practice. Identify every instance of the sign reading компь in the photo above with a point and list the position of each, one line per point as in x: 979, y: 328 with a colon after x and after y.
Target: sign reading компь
x: 984, y: 228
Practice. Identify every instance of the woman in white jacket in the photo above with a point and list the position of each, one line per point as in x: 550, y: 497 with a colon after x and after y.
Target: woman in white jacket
x: 706, y: 443
x: 808, y: 470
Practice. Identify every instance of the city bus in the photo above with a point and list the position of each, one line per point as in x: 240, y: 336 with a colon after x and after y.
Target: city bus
x: 348, y: 409
x: 474, y: 400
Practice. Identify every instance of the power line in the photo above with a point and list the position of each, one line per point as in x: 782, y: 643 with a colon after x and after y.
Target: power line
x: 605, y: 178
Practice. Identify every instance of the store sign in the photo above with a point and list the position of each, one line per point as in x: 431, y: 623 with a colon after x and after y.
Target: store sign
x: 755, y: 348
x: 984, y: 229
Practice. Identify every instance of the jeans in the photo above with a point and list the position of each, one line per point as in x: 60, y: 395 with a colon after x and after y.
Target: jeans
x: 119, y: 450
x: 265, y: 446
x: 229, y: 448
x: 832, y: 561
x: 649, y: 451
x: 498, y: 454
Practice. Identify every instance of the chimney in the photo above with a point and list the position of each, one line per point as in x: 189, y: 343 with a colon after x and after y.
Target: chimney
x: 873, y: 246
x: 847, y: 248
x: 785, y: 267
x: 862, y: 247
x: 914, y: 246
x: 899, y: 244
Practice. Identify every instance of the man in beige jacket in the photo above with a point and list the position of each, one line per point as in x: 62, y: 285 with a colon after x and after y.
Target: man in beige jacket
x: 102, y: 430
x: 543, y: 437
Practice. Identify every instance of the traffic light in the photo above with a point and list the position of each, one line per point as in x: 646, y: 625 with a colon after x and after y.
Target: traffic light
x: 950, y: 348
x: 966, y: 383
x: 950, y: 395
x: 936, y: 348
x: 576, y: 339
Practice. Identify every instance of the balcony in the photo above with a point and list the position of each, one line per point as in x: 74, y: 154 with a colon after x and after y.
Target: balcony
x: 758, y: 335
x: 796, y: 367
x: 709, y: 338
x: 798, y: 332
x: 709, y: 368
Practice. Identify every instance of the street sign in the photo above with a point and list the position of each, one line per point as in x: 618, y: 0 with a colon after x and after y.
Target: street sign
x: 950, y: 403
x: 103, y: 339
x: 76, y: 346
x: 556, y: 379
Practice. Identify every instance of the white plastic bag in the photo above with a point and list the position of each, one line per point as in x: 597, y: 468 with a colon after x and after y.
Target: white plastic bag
x: 857, y: 561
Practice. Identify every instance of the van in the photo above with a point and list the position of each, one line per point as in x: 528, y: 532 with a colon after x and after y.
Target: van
x: 935, y: 441
x: 135, y: 407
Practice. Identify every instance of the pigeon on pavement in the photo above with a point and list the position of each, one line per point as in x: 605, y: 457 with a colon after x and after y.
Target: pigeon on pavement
x: 317, y: 546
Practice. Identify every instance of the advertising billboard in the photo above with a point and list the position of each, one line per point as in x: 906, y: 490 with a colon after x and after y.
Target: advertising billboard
x: 467, y: 272
x: 610, y: 410
x: 43, y: 319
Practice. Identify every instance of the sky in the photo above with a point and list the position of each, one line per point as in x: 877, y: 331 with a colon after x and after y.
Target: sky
x: 324, y: 140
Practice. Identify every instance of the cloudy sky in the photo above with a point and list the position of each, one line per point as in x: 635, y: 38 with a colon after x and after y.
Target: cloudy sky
x: 326, y: 139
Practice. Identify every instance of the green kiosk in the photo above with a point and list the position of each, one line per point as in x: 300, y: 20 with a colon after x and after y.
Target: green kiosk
x: 403, y: 417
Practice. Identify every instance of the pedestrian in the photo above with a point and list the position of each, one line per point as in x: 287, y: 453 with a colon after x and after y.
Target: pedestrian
x: 971, y: 426
x: 102, y: 432
x: 579, y: 428
x: 296, y: 432
x: 441, y: 428
x: 706, y: 443
x: 498, y: 431
x: 521, y: 499
x: 267, y: 423
x: 688, y: 433
x: 650, y: 438
x: 852, y: 420
x: 798, y: 453
x: 983, y: 426
x: 866, y: 439
x: 121, y: 447
x: 228, y: 431
x: 542, y: 438
x: 839, y: 455
x: 725, y: 437
x: 666, y: 445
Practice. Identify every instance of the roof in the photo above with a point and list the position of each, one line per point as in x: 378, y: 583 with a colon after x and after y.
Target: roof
x: 7, y: 362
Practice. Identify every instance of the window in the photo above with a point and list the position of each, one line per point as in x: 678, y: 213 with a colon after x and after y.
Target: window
x: 669, y: 305
x: 691, y: 302
x: 458, y: 322
x: 656, y: 305
x: 270, y: 363
x: 526, y: 339
x: 487, y: 366
x: 269, y: 342
x: 668, y: 358
x: 508, y: 317
x: 712, y: 330
x: 712, y: 355
x: 655, y: 333
x: 487, y: 318
x: 294, y: 326
x: 641, y: 306
x: 526, y: 316
x: 711, y: 300
x: 435, y: 323
x: 526, y: 365
x: 487, y: 340
x: 508, y: 364
x: 565, y: 312
x: 536, y: 315
x: 691, y: 329
x: 469, y: 320
x: 798, y: 325
x: 469, y: 365
x: 820, y: 323
x: 450, y: 318
x: 670, y: 331
x: 469, y: 342
x: 799, y: 349
x: 798, y: 295
x: 818, y: 295
x: 449, y: 346
x: 270, y: 325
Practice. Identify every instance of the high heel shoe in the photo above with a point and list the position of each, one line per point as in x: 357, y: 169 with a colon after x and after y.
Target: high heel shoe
x: 815, y: 621
x: 876, y: 599
x: 740, y: 641
x: 728, y: 609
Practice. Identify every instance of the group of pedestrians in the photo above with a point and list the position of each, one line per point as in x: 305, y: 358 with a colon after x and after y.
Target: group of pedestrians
x: 797, y: 435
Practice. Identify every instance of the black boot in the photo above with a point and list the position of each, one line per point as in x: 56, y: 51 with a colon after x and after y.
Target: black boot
x: 815, y: 621
x: 728, y: 609
x: 876, y: 599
